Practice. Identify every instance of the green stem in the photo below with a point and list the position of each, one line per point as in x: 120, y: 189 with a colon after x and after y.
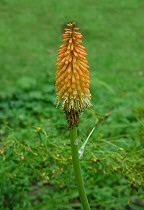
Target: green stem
x: 77, y: 169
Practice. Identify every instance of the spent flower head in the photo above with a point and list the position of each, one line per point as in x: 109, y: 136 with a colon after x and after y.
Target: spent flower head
x: 72, y: 76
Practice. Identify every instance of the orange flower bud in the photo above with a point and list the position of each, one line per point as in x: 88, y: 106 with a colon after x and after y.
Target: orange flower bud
x: 72, y: 76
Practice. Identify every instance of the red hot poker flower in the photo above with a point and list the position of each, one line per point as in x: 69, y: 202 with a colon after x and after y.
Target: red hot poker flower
x: 72, y: 77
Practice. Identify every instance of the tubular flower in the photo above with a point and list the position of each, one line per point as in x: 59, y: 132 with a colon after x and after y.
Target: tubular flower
x: 72, y: 76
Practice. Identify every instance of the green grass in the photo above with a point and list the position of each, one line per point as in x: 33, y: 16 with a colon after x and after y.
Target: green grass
x: 35, y: 158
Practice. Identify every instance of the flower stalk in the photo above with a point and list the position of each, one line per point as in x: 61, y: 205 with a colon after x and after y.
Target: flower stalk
x: 77, y: 169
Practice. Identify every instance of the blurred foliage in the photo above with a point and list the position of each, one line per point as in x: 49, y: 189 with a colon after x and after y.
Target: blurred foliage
x: 35, y: 158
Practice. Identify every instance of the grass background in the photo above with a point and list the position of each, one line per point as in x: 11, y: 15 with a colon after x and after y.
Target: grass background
x: 35, y: 156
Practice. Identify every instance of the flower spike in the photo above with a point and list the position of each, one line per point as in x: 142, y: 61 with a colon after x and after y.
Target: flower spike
x: 72, y: 76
